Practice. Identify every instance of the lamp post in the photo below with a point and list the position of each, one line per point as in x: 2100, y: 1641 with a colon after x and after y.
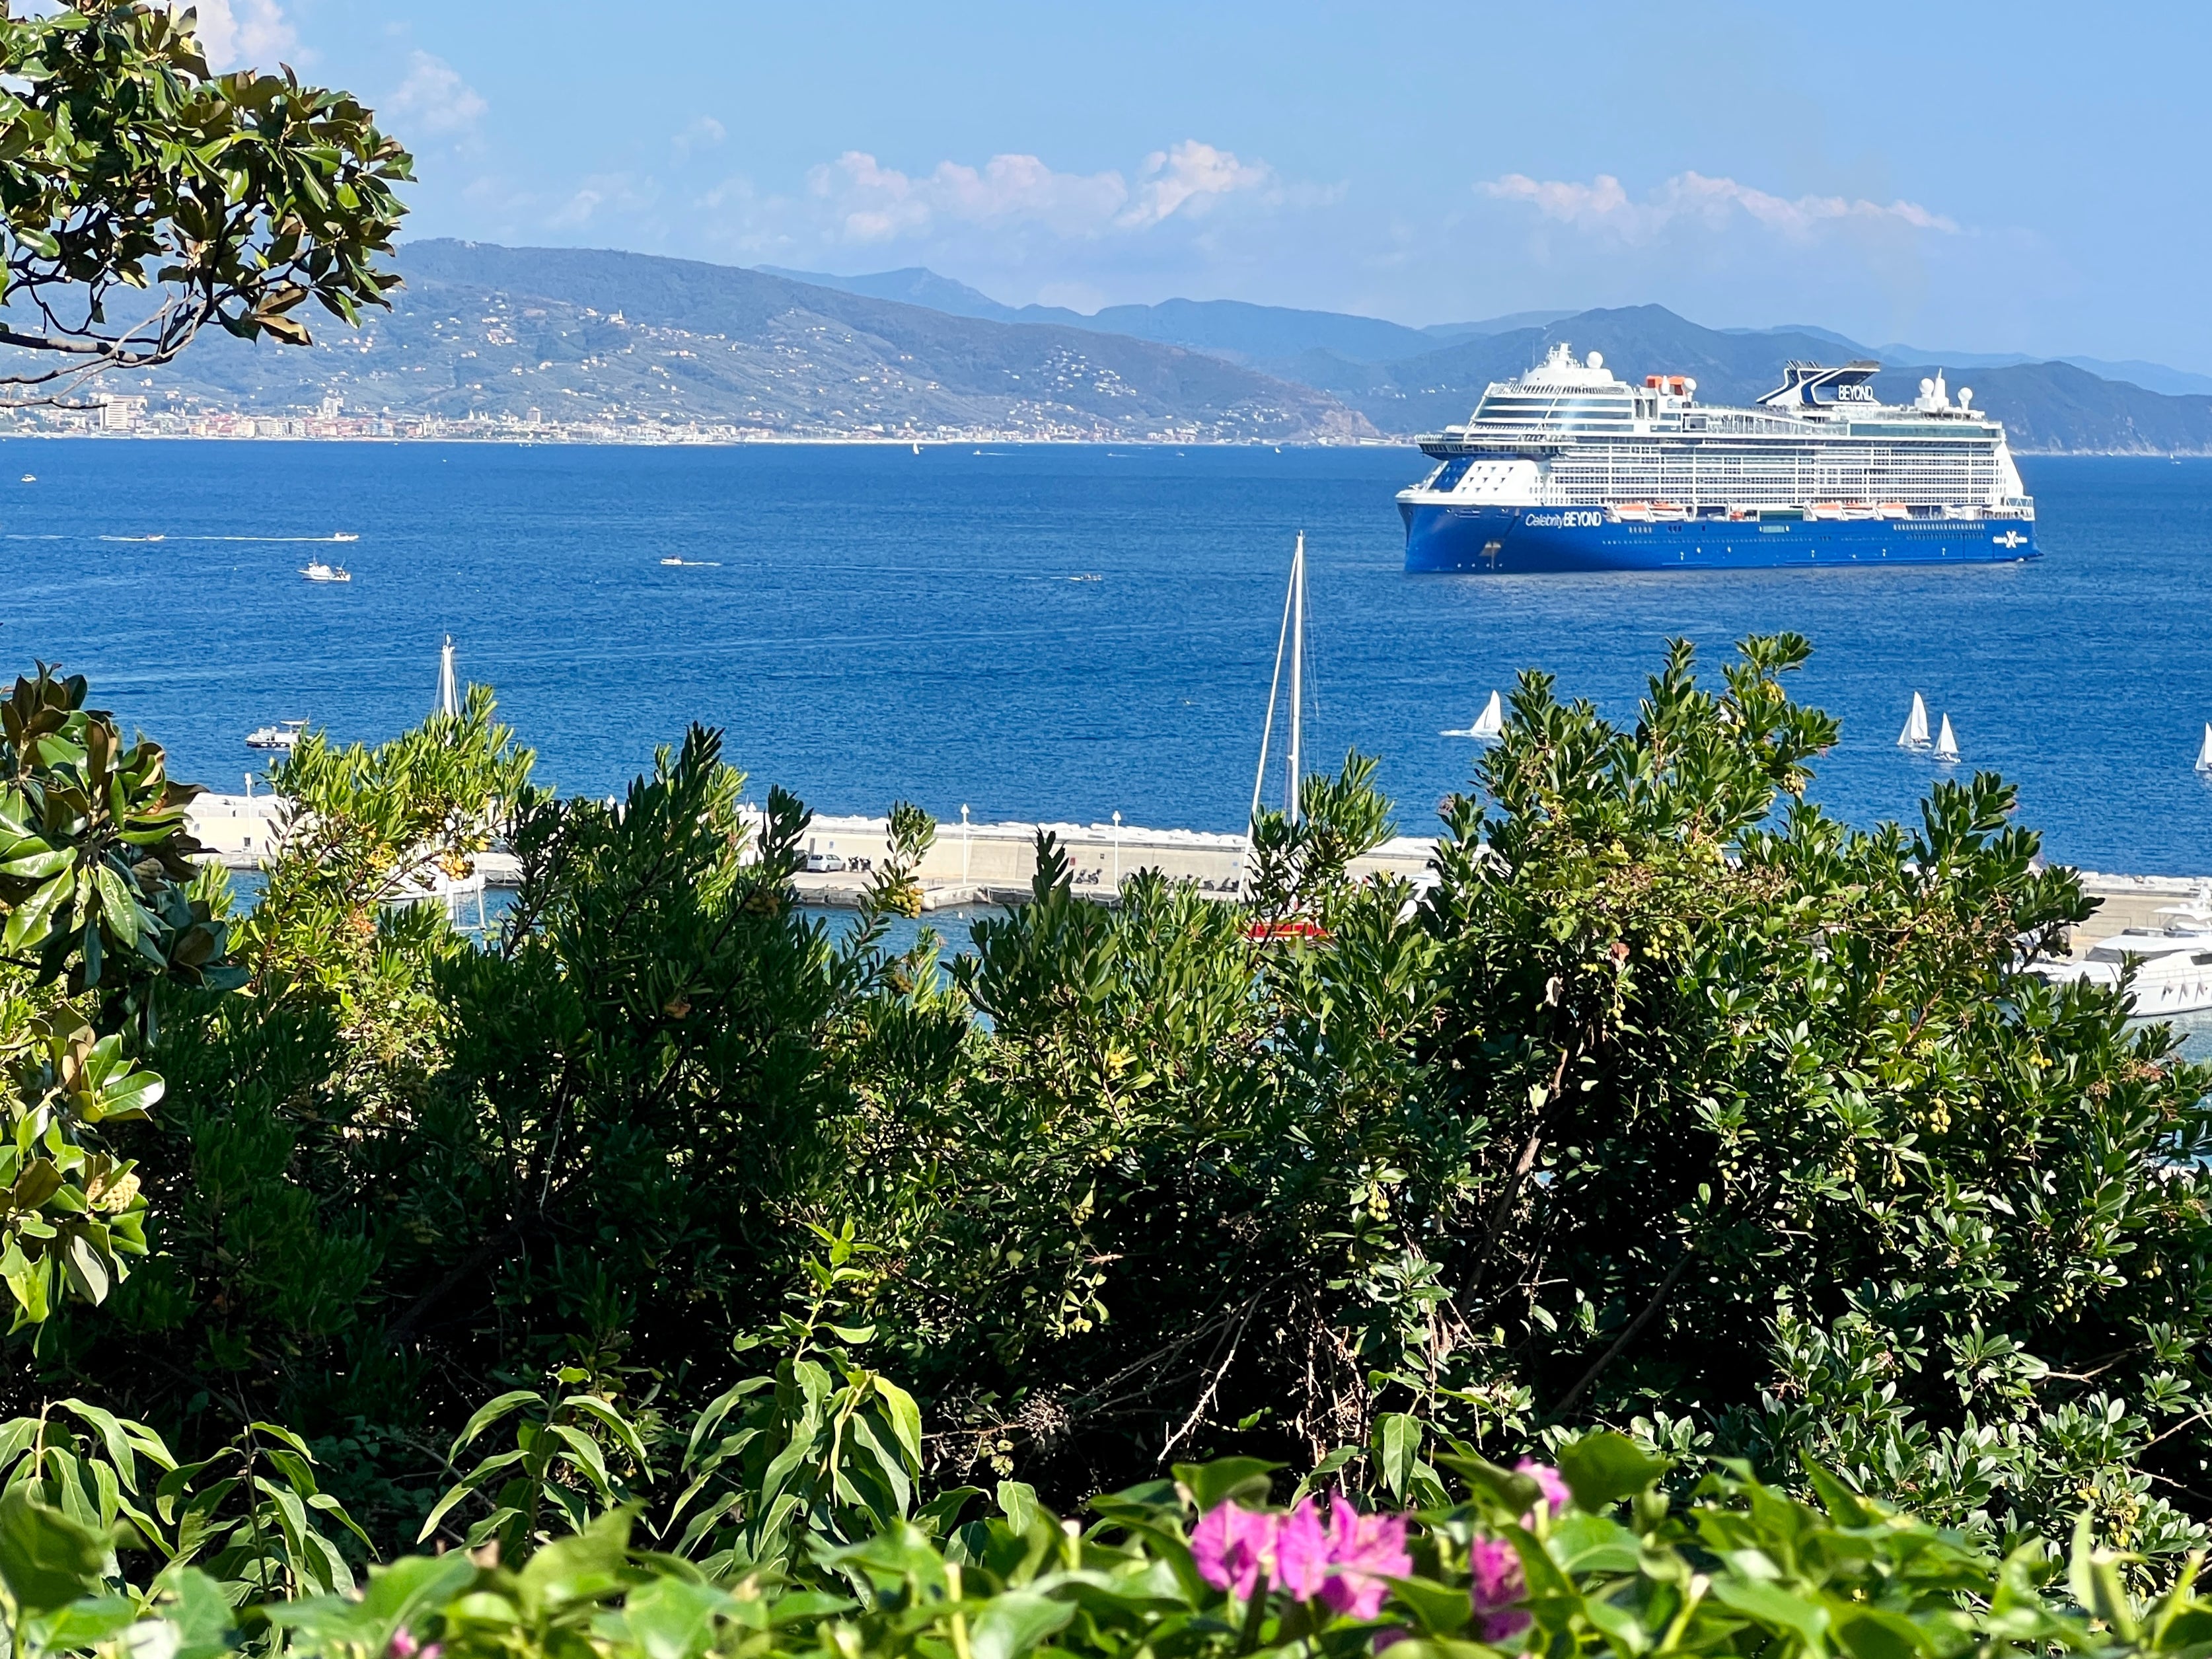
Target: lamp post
x: 1117, y: 851
x: 964, y: 841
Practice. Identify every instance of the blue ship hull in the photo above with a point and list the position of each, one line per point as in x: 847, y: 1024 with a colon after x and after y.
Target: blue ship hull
x: 1517, y: 540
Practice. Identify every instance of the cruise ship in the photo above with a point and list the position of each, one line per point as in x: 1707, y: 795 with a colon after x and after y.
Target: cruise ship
x: 1570, y: 468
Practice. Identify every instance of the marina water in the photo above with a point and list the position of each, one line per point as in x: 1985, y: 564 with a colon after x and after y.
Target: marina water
x: 1055, y: 632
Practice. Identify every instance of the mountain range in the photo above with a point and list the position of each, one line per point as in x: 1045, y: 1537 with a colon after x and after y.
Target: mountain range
x: 594, y: 336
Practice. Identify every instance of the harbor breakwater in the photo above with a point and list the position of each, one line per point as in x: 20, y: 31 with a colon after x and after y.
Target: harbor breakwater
x: 993, y: 864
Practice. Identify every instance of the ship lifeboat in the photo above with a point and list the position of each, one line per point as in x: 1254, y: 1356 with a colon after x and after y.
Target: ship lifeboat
x: 1825, y: 510
x: 1894, y: 510
x: 1860, y: 510
x: 1634, y: 512
x: 1669, y: 512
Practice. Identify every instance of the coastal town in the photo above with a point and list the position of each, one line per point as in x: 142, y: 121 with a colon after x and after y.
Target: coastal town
x: 139, y: 416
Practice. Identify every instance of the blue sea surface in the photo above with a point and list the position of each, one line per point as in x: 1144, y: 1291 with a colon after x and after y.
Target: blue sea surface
x: 868, y: 624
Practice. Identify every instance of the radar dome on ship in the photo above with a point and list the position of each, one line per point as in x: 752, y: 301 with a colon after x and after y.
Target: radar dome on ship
x: 1597, y: 360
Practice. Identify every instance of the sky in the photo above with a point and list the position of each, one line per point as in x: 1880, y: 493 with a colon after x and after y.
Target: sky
x: 1977, y: 177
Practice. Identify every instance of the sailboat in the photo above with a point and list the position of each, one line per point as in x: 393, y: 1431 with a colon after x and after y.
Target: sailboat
x: 1290, y: 646
x: 2204, y: 754
x: 1488, y: 725
x: 449, y: 690
x: 1915, y: 735
x: 1946, y: 744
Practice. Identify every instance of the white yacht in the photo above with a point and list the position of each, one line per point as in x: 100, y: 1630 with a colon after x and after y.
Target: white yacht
x: 2172, y: 964
x: 284, y: 735
x: 316, y: 571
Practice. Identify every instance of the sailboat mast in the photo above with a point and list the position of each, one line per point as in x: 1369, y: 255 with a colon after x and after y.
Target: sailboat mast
x: 1274, y: 687
x: 1298, y: 676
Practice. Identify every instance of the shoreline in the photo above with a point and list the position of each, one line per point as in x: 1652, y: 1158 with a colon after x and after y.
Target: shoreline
x: 518, y: 437
x: 993, y: 864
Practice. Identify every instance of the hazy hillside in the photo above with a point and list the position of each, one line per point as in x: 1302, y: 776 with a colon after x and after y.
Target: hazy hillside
x: 1225, y: 328
x: 585, y: 335
x: 1280, y: 336
x: 2057, y: 408
x: 2046, y: 406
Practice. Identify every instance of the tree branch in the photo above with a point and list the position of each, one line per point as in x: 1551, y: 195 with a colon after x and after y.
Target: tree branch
x: 1634, y: 1329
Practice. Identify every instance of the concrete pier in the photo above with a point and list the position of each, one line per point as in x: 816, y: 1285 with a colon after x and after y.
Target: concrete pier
x: 995, y: 863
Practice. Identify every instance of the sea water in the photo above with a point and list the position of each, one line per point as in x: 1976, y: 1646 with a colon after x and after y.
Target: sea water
x: 1053, y: 632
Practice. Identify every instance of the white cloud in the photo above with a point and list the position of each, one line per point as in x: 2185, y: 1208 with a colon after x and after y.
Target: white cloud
x: 1602, y: 204
x: 1190, y: 175
x: 872, y: 202
x: 240, y: 33
x: 434, y: 99
x: 704, y: 133
x: 623, y: 195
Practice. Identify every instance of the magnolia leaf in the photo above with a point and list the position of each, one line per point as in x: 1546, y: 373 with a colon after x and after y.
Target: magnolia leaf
x: 1604, y: 1467
x: 46, y: 1559
x: 1013, y: 1623
x: 1209, y: 1484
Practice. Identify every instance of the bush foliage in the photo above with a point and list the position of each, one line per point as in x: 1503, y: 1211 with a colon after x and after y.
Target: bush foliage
x: 1668, y: 1109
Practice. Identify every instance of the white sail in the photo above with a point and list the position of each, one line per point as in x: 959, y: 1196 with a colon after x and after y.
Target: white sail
x: 1947, y: 745
x: 1489, y: 726
x: 449, y: 695
x: 1915, y: 735
x: 2204, y: 754
x: 1290, y: 644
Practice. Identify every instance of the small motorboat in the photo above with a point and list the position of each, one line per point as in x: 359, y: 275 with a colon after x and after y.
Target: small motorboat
x: 345, y: 536
x: 30, y: 477
x: 316, y: 571
x: 284, y: 735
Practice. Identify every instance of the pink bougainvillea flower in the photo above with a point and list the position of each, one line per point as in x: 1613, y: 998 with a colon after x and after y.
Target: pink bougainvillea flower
x: 1232, y: 1547
x: 403, y: 1646
x: 1497, y: 1586
x: 1557, y: 1495
x: 1302, y: 1552
x: 1364, y: 1552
